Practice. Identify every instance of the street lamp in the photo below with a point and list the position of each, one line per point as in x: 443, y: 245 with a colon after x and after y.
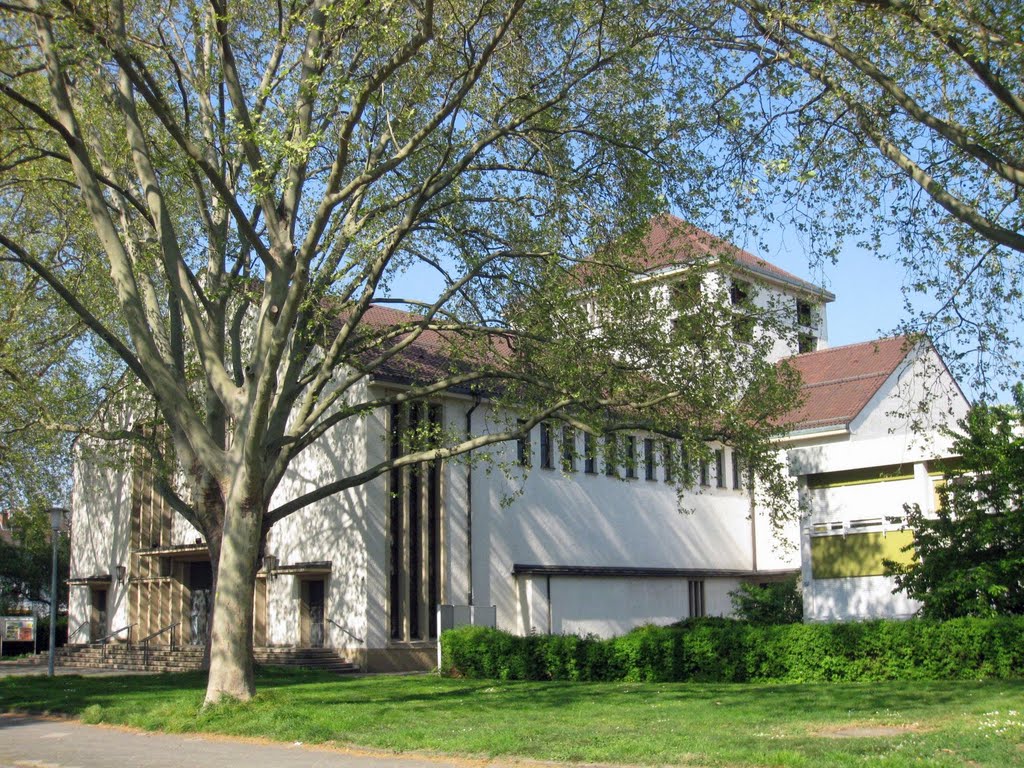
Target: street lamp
x: 56, y: 518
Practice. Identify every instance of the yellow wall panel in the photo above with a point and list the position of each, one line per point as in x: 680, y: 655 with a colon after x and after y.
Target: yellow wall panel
x: 858, y: 554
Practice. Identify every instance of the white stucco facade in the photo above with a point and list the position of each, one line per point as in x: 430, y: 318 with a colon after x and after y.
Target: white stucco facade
x: 855, y: 480
x: 560, y: 549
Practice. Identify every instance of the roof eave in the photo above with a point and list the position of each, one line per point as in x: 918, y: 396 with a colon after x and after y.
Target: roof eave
x: 841, y: 429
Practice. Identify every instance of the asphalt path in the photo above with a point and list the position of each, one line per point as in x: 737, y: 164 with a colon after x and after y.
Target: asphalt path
x: 38, y: 742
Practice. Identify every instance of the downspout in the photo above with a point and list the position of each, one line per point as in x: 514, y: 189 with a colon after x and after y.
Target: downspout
x: 753, y: 523
x: 469, y: 503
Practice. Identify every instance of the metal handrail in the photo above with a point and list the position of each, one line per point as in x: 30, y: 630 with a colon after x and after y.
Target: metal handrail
x: 103, y: 640
x: 81, y: 626
x: 354, y: 637
x: 145, y: 641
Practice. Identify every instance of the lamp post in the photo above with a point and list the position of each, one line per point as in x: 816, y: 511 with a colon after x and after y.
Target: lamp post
x: 56, y: 518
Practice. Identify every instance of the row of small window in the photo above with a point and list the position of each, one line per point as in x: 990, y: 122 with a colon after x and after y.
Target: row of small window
x: 636, y: 453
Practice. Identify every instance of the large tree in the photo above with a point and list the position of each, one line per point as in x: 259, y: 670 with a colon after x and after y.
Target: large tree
x: 899, y: 125
x: 255, y: 177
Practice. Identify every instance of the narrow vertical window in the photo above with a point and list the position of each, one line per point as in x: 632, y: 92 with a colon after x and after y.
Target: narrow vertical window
x: 414, y: 529
x: 666, y: 458
x: 705, y: 474
x: 737, y: 471
x: 523, y: 447
x: 649, y: 458
x: 568, y: 449
x: 630, y: 456
x: 610, y: 456
x: 396, y: 527
x: 589, y: 454
x: 804, y: 313
x: 546, y: 461
x: 695, y: 589
x: 720, y: 468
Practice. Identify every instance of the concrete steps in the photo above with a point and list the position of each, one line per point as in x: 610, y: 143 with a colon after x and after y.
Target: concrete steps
x: 134, y: 659
x: 324, y: 659
x: 190, y: 658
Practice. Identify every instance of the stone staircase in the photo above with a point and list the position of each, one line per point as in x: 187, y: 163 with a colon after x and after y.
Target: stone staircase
x: 323, y: 659
x: 190, y: 658
x: 133, y: 659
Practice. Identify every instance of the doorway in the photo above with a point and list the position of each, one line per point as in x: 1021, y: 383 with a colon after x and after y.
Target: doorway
x: 259, y: 613
x: 311, y: 613
x: 97, y: 613
x: 200, y: 584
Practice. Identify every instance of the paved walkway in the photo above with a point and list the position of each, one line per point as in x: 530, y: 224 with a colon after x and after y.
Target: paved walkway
x: 37, y: 742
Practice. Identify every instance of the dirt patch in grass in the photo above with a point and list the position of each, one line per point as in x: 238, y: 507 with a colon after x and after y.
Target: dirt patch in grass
x: 867, y: 731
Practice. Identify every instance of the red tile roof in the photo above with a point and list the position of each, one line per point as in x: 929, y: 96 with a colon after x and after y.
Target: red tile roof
x: 673, y: 241
x: 839, y: 382
x: 432, y: 356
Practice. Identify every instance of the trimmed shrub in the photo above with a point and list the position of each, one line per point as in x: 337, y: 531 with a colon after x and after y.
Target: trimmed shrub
x: 726, y: 650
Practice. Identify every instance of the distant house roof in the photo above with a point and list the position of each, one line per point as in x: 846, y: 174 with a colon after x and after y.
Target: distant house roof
x: 839, y: 382
x: 672, y: 241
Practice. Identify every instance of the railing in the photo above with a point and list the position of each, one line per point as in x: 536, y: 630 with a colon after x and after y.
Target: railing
x: 81, y: 626
x: 145, y: 641
x: 332, y: 621
x: 103, y: 640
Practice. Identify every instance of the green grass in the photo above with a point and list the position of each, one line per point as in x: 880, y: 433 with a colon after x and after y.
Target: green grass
x: 940, y: 724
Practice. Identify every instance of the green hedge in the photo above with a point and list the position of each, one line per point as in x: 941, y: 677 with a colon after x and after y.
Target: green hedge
x: 725, y: 650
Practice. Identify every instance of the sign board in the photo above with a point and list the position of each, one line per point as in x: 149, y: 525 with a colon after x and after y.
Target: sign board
x: 18, y: 629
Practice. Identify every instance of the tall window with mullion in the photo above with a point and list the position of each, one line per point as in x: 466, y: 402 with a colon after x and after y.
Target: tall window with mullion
x: 589, y: 454
x: 649, y: 465
x: 611, y: 455
x: 523, y: 452
x: 568, y: 448
x: 546, y: 449
x: 414, y: 528
x: 630, y: 456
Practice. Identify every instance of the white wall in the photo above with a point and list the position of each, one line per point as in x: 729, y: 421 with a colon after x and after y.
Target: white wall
x: 547, y: 517
x: 767, y: 297
x: 101, y: 501
x: 899, y: 426
x: 339, y: 529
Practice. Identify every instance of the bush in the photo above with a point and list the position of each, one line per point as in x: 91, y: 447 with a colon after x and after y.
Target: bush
x: 778, y: 602
x: 727, y: 650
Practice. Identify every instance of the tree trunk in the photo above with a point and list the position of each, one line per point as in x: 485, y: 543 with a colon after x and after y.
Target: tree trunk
x: 231, y: 662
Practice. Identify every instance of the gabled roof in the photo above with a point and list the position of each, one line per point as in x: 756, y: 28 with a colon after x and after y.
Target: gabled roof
x: 839, y: 382
x: 433, y: 355
x: 672, y: 241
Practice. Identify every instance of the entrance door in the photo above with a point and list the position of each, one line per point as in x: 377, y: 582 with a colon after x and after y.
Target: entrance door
x: 259, y: 613
x: 200, y: 582
x: 97, y: 613
x: 311, y: 629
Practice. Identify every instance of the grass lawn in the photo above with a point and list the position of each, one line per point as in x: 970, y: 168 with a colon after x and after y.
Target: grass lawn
x: 848, y: 724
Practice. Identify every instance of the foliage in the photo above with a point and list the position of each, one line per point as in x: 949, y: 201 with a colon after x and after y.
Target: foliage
x: 48, y: 382
x: 26, y: 560
x: 900, y: 126
x: 727, y: 650
x: 934, y: 723
x: 777, y: 602
x: 968, y: 556
x: 244, y: 185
